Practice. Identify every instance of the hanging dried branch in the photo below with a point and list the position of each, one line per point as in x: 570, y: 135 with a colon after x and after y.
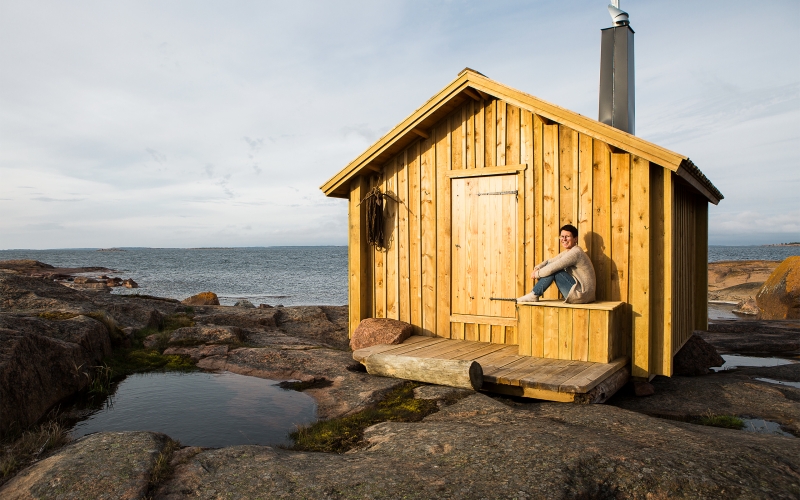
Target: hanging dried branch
x: 375, y: 223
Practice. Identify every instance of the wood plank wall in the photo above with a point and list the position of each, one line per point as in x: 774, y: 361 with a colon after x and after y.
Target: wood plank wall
x: 690, y: 246
x: 616, y: 200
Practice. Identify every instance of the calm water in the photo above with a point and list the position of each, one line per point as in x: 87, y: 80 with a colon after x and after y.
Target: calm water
x: 717, y: 253
x: 271, y: 275
x: 734, y: 360
x: 204, y: 409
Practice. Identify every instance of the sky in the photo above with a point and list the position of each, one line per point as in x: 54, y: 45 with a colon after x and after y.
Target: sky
x: 197, y: 123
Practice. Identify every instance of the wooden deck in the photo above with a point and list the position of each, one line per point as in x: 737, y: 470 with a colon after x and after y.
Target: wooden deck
x: 506, y: 372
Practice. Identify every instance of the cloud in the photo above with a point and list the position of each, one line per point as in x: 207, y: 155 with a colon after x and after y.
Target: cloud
x: 48, y: 199
x: 158, y: 157
x: 754, y: 227
x: 44, y: 226
x: 255, y: 144
x: 134, y: 114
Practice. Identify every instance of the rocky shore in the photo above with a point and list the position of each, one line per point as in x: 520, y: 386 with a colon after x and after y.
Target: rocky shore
x: 475, y: 446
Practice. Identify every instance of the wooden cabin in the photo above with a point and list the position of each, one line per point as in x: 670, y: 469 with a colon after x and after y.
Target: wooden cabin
x: 479, y: 180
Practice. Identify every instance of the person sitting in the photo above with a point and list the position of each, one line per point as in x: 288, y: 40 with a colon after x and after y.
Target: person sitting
x: 572, y: 271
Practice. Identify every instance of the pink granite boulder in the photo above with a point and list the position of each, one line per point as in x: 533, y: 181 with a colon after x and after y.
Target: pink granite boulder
x: 374, y: 331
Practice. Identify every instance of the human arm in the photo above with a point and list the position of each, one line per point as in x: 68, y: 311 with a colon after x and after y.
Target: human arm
x: 534, y: 274
x: 558, y: 263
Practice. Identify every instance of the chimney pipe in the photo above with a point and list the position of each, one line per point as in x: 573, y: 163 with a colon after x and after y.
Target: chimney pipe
x: 617, y: 97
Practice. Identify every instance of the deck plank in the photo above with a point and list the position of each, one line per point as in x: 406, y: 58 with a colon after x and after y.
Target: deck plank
x: 396, y: 348
x: 544, y: 372
x: 593, y: 375
x: 504, y: 370
x: 500, y: 362
x: 360, y: 354
x: 533, y: 365
x: 495, y: 373
x: 534, y: 370
x: 553, y: 380
x: 435, y: 350
x: 470, y: 350
x: 494, y: 357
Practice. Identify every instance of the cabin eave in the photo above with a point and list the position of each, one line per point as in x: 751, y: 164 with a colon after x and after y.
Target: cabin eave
x: 471, y: 84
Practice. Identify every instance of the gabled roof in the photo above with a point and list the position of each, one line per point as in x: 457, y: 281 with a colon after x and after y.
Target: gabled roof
x: 468, y: 85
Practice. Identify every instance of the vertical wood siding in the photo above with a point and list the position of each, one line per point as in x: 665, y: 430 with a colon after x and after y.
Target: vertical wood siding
x: 621, y: 204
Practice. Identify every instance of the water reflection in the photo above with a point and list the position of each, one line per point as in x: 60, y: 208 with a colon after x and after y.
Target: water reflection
x: 761, y: 426
x: 733, y: 361
x: 780, y: 382
x: 203, y: 409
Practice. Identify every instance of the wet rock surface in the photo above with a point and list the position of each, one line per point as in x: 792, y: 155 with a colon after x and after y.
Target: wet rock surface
x: 767, y: 338
x: 108, y: 465
x: 735, y: 392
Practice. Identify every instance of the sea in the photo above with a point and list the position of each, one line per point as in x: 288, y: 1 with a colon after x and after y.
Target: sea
x: 289, y: 276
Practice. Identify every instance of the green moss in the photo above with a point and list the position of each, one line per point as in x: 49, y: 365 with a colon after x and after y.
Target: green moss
x: 725, y: 421
x: 341, y: 434
x: 126, y: 361
x: 177, y: 320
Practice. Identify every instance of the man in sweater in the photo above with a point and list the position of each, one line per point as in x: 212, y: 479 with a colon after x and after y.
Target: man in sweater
x: 571, y: 270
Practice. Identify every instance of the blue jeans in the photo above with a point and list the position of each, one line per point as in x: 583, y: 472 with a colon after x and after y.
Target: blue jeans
x: 563, y: 281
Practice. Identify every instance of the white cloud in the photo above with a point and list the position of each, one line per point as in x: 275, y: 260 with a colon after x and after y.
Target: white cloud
x: 186, y: 123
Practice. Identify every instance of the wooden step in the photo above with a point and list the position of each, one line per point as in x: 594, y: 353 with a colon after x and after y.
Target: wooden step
x: 504, y: 370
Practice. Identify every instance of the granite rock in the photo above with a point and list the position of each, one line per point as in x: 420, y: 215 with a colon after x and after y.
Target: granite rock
x: 779, y: 297
x: 474, y: 449
x: 373, y: 331
x: 202, y: 299
x: 747, y: 306
x: 107, y: 465
x: 696, y: 357
x: 192, y: 335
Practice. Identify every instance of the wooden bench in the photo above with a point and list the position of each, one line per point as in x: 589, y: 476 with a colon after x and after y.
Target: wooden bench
x: 580, y: 332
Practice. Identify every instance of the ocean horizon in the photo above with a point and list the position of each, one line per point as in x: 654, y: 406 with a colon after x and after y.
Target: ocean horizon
x: 285, y: 275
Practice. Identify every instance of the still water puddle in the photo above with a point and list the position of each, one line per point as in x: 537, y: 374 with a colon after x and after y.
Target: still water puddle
x: 723, y: 310
x: 734, y: 360
x: 760, y: 426
x: 203, y: 409
x: 780, y: 382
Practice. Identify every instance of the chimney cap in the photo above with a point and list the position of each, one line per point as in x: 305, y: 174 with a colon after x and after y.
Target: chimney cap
x: 619, y: 16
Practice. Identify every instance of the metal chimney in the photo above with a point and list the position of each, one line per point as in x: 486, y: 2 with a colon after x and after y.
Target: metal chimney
x: 617, y: 98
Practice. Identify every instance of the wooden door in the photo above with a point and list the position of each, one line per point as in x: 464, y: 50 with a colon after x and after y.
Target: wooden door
x: 484, y: 245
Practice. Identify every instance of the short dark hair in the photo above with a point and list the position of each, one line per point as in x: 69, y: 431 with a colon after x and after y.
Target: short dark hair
x: 569, y: 227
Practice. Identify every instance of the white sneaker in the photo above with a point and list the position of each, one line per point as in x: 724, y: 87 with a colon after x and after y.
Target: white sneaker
x: 531, y: 297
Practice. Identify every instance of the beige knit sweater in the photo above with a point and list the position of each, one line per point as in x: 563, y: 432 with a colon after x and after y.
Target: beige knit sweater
x: 579, y: 266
